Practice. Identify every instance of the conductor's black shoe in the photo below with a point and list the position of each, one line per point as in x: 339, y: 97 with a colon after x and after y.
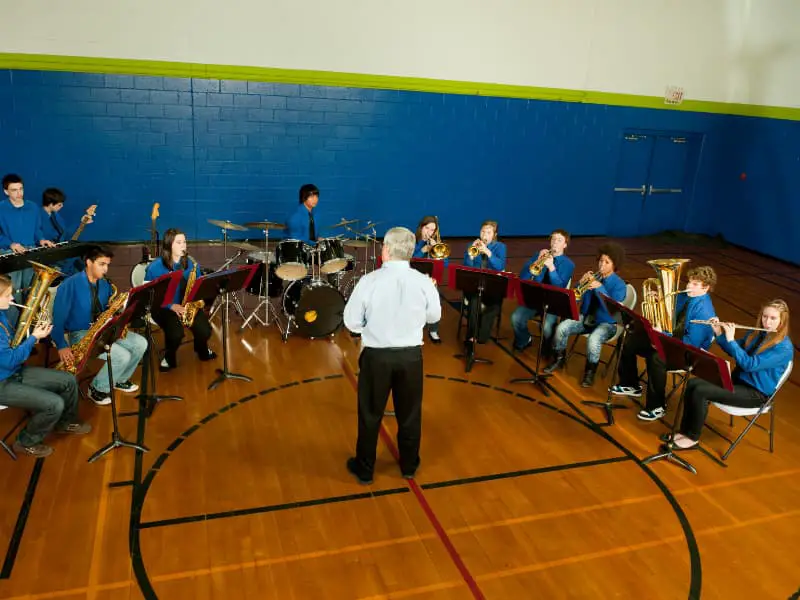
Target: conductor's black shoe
x: 209, y: 355
x: 409, y: 473
x: 352, y: 466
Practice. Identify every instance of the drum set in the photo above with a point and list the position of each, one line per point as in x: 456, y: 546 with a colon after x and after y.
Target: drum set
x: 310, y: 283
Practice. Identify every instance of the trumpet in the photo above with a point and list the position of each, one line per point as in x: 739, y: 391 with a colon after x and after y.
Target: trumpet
x: 537, y: 265
x: 473, y: 251
x: 735, y: 325
x: 583, y: 285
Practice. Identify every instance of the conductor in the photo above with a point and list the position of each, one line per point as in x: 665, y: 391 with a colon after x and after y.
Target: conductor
x: 389, y: 308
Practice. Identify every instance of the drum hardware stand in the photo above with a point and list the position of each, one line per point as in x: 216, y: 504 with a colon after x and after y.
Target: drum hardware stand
x: 265, y: 299
x: 237, y: 304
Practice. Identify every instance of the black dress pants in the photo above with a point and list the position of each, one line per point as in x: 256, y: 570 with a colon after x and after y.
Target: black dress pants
x: 173, y: 333
x: 384, y: 370
x: 639, y: 345
x: 701, y: 393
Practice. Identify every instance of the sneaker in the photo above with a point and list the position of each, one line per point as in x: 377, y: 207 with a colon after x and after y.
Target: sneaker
x: 98, y: 397
x: 74, y: 428
x: 37, y: 450
x: 126, y: 386
x: 434, y: 335
x: 624, y: 390
x: 651, y: 415
x: 164, y: 366
x: 524, y: 346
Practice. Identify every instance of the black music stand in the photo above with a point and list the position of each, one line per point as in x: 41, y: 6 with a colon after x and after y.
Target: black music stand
x: 631, y: 324
x: 222, y: 283
x: 546, y: 299
x: 153, y: 293
x: 107, y: 335
x: 697, y: 362
x: 424, y: 266
x: 481, y: 283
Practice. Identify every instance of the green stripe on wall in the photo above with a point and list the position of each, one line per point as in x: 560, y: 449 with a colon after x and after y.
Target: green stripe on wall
x: 46, y: 62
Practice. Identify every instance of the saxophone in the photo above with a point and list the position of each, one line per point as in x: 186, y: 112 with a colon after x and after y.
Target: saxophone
x: 191, y: 308
x: 115, y: 303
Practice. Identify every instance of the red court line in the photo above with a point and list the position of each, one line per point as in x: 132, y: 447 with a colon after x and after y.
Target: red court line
x: 423, y: 502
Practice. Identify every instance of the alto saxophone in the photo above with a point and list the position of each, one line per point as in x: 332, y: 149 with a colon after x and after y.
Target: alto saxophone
x: 190, y: 308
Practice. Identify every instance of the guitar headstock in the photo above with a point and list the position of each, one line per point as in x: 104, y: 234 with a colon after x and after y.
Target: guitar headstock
x: 91, y: 210
x: 154, y: 214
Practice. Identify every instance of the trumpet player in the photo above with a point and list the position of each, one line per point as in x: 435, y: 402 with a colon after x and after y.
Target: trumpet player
x: 80, y: 299
x: 554, y: 268
x: 761, y: 360
x: 485, y: 253
x: 50, y: 396
x: 694, y: 304
x: 425, y: 241
x: 595, y: 318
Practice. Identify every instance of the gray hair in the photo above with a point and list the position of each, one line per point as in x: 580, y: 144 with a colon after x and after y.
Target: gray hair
x: 400, y: 243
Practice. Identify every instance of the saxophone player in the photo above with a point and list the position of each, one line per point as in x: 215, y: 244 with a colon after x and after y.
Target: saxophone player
x: 695, y: 304
x: 554, y: 268
x: 174, y: 257
x: 485, y: 253
x: 595, y: 318
x: 80, y: 299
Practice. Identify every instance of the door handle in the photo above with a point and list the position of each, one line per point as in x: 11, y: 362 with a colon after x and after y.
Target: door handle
x: 639, y: 190
x: 654, y: 190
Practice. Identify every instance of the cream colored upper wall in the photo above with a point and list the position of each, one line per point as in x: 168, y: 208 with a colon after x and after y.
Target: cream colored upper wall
x: 744, y: 51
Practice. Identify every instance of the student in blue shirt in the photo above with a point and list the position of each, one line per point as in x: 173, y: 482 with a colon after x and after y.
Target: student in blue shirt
x: 557, y: 271
x: 761, y: 359
x: 50, y: 396
x: 301, y: 225
x: 80, y: 299
x: 54, y: 228
x: 491, y: 256
x: 595, y: 318
x: 425, y: 240
x: 694, y: 304
x: 174, y: 257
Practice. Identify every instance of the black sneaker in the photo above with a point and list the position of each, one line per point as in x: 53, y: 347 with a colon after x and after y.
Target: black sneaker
x: 210, y: 355
x: 98, y: 397
x: 651, y: 415
x: 126, y: 386
x: 434, y: 335
x: 625, y: 390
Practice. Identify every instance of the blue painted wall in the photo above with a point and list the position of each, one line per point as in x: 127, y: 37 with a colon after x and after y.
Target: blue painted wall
x: 240, y: 150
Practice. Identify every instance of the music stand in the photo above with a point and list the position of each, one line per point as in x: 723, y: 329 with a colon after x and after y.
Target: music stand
x: 108, y: 334
x: 479, y: 282
x: 697, y: 362
x: 157, y: 292
x: 631, y: 324
x: 222, y: 283
x: 433, y: 267
x: 546, y: 299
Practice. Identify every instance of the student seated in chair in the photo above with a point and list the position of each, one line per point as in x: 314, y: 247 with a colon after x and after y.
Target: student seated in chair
x: 595, y: 318
x: 761, y: 358
x: 487, y: 253
x: 50, y: 396
x: 694, y: 304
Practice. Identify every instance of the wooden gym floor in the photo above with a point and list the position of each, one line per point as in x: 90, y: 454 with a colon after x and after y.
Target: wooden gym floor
x: 244, y: 493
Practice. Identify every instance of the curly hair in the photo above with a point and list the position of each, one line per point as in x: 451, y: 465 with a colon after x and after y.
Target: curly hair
x: 705, y: 275
x: 613, y: 251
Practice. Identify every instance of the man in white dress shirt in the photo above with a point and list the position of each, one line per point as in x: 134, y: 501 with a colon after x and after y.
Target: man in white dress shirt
x: 389, y: 308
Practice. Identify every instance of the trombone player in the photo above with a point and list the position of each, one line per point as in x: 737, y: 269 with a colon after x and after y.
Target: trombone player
x: 552, y: 267
x: 428, y: 245
x: 692, y: 304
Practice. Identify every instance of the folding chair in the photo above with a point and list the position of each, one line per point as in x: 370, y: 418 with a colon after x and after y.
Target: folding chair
x: 628, y: 302
x: 768, y: 406
x: 4, y: 441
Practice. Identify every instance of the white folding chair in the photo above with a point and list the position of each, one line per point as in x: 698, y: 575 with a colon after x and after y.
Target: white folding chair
x: 755, y: 413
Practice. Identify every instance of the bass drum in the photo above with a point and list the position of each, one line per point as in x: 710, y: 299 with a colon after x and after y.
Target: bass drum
x: 317, y: 307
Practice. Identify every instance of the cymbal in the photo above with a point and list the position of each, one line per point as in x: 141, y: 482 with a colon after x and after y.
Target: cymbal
x: 343, y: 222
x: 370, y: 225
x: 246, y: 246
x: 264, y: 225
x: 355, y: 243
x: 227, y: 225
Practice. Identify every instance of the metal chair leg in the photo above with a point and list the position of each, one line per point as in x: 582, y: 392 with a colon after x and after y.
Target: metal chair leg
x: 741, y: 435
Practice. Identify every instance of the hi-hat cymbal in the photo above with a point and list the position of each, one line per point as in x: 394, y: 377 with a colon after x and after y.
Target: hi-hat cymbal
x: 370, y: 225
x: 343, y: 222
x: 227, y: 225
x: 355, y: 243
x: 264, y: 225
x: 246, y: 246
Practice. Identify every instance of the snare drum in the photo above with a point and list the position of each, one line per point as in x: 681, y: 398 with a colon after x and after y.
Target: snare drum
x: 331, y: 255
x: 267, y: 262
x: 292, y: 260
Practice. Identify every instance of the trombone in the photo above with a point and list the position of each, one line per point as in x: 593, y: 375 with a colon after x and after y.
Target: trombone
x: 735, y: 325
x: 438, y: 249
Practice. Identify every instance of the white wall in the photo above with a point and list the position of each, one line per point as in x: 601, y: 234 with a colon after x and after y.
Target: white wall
x: 725, y: 50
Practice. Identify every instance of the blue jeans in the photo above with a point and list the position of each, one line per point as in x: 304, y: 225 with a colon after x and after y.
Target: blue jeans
x: 598, y: 335
x: 519, y: 321
x: 125, y: 356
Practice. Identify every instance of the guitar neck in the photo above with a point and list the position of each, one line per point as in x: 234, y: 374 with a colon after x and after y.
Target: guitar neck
x: 78, y: 231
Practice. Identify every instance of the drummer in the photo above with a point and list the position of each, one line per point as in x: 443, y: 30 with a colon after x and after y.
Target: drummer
x: 300, y: 225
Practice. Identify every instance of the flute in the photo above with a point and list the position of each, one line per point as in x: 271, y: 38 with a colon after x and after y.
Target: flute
x: 735, y: 325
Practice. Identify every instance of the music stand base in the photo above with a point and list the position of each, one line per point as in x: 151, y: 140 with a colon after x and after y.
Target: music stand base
x: 116, y: 442
x: 223, y: 375
x: 670, y: 455
x: 608, y: 406
x: 537, y: 379
x: 151, y: 401
x: 472, y: 359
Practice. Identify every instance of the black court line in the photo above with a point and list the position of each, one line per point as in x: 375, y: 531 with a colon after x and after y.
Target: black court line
x: 116, y: 484
x: 22, y: 520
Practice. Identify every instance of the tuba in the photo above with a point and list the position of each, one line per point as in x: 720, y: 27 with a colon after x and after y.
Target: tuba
x: 660, y: 310
x: 36, y: 302
x: 116, y: 302
x: 439, y: 250
x: 191, y: 307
